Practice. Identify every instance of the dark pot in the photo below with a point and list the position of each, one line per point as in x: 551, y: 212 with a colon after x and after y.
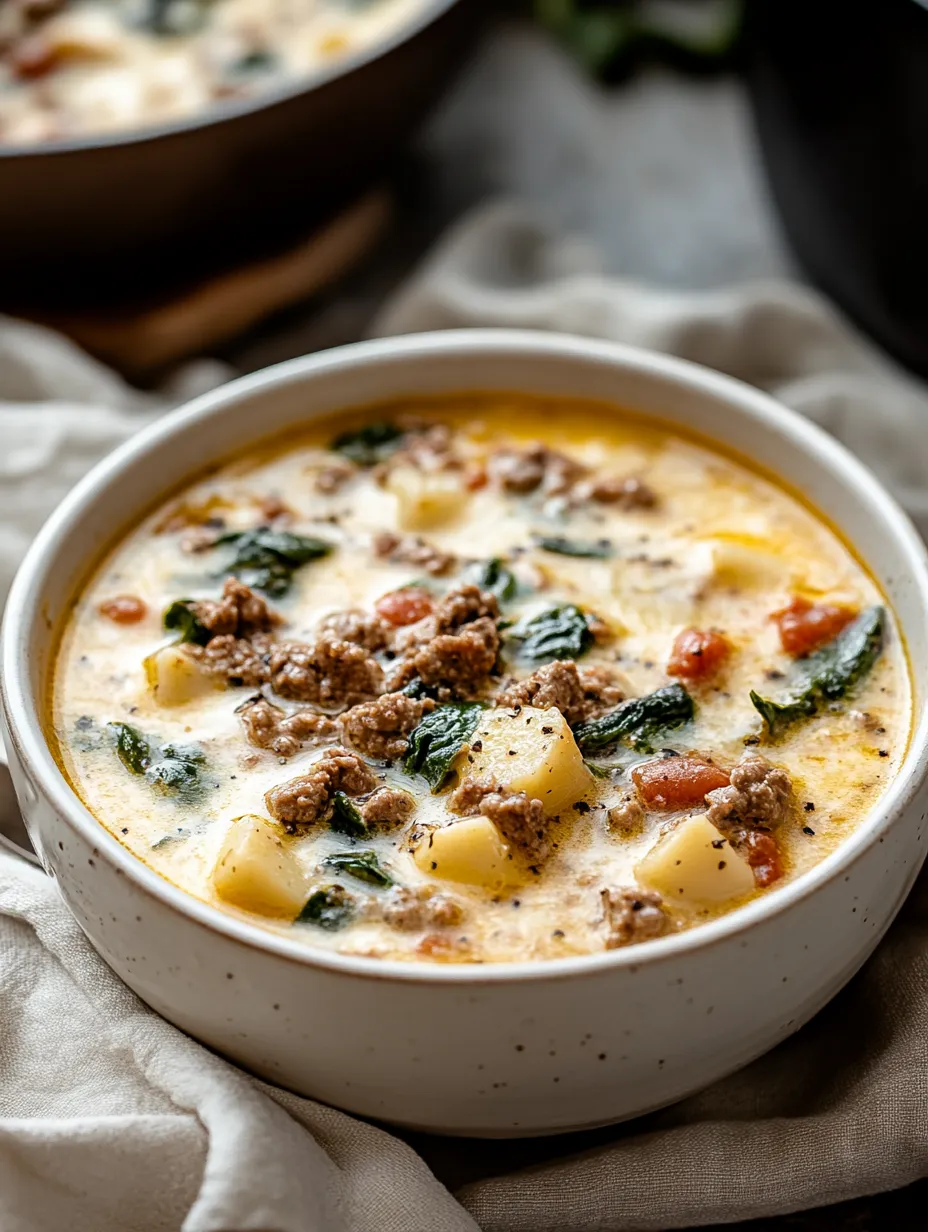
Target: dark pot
x: 136, y: 216
x: 840, y: 94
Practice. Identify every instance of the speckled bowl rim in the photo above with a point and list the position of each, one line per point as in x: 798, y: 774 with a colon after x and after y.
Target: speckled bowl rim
x: 223, y: 112
x: 23, y: 623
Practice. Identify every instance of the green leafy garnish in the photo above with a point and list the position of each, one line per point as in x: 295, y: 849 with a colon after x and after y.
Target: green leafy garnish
x: 173, y: 769
x: 418, y: 689
x: 181, y: 618
x: 598, y: 771
x: 369, y: 445
x: 132, y: 749
x: 492, y: 575
x: 267, y: 559
x: 361, y: 864
x: 599, y: 549
x: 331, y: 907
x: 559, y: 633
x: 346, y: 817
x: 829, y: 673
x: 638, y: 721
x: 438, y: 739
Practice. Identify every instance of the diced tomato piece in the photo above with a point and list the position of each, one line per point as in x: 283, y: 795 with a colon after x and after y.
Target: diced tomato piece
x: 677, y: 782
x: 763, y: 855
x: 124, y: 609
x: 805, y: 626
x: 405, y: 607
x: 698, y: 654
x: 476, y: 477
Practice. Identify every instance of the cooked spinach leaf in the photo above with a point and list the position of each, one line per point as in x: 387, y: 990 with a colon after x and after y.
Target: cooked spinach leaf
x: 181, y: 618
x: 598, y: 771
x: 369, y: 445
x: 598, y: 549
x: 267, y: 559
x: 438, y: 739
x: 492, y: 575
x: 173, y: 769
x: 331, y: 907
x: 346, y: 817
x: 418, y: 689
x: 559, y: 633
x: 829, y: 673
x: 361, y: 864
x: 132, y: 749
x: 170, y: 18
x: 638, y: 721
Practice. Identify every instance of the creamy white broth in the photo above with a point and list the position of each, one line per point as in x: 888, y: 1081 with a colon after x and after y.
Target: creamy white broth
x: 72, y: 67
x: 722, y: 548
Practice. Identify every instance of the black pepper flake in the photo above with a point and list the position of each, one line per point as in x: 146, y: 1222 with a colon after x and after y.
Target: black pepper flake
x: 809, y: 806
x: 125, y: 830
x: 721, y: 865
x: 808, y: 830
x: 884, y: 752
x: 558, y: 932
x: 546, y: 731
x: 581, y: 807
x: 477, y: 746
x: 517, y: 902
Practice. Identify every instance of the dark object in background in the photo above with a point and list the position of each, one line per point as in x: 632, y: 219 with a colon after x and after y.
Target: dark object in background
x: 132, y: 218
x: 840, y: 93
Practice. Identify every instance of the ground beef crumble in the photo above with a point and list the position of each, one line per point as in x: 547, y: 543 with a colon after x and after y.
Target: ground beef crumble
x: 413, y: 909
x: 526, y: 470
x: 460, y: 661
x: 579, y: 695
x: 239, y: 613
x: 627, y: 817
x: 760, y: 796
x: 235, y: 660
x: 353, y: 625
x: 411, y: 550
x: 331, y: 673
x: 306, y: 799
x: 456, y: 648
x: 628, y: 493
x: 631, y: 915
x: 269, y: 727
x: 388, y: 806
x: 334, y: 476
x: 520, y: 820
x: 379, y: 729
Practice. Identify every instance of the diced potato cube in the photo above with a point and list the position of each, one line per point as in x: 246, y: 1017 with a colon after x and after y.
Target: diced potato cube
x: 533, y: 751
x: 175, y: 678
x: 426, y: 499
x: 747, y: 560
x: 256, y: 872
x: 470, y: 851
x: 695, y: 864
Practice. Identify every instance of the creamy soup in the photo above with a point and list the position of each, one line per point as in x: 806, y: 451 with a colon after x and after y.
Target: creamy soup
x: 69, y: 67
x: 481, y: 679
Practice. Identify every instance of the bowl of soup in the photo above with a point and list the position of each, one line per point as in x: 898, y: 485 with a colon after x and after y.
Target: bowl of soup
x: 155, y: 144
x: 489, y: 732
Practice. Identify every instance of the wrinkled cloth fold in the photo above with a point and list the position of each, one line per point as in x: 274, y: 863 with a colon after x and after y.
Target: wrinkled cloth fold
x: 113, y: 1121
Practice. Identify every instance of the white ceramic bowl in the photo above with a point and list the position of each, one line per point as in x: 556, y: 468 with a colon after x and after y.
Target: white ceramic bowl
x: 511, y: 1048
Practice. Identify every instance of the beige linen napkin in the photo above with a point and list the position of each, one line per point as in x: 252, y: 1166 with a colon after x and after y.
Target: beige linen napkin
x: 112, y: 1121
